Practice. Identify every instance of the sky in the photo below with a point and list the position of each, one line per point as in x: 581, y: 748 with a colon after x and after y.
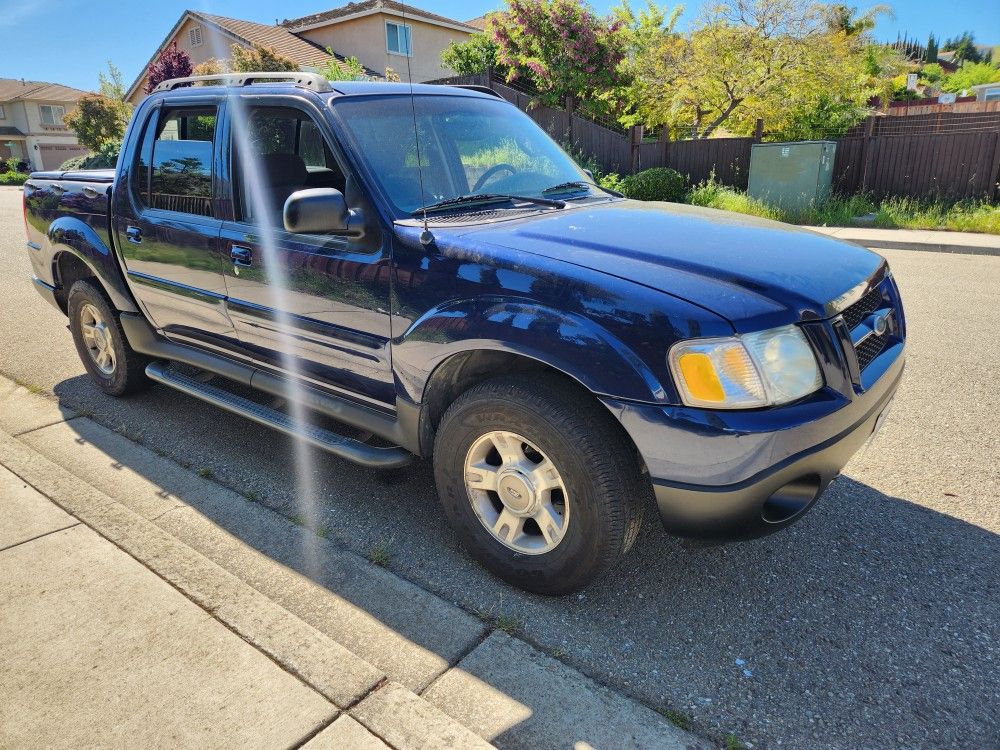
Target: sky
x: 70, y: 41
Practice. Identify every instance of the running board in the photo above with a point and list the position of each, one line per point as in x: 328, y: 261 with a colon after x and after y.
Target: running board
x: 345, y: 447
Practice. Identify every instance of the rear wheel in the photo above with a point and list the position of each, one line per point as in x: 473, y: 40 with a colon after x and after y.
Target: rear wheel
x: 542, y: 487
x: 105, y: 352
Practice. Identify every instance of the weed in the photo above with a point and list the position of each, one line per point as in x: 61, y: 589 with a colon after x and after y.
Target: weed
x: 380, y: 554
x: 252, y: 496
x: 507, y: 623
x: 323, y: 532
x: 298, y: 519
x: 677, y: 718
x: 734, y: 743
x: 206, y: 473
x: 30, y: 387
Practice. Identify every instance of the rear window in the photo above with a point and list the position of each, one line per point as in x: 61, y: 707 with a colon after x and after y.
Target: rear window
x: 174, y: 172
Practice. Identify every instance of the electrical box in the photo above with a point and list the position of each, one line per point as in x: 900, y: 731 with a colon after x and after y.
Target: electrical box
x: 792, y: 176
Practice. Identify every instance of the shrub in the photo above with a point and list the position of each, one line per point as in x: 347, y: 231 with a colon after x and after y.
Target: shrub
x: 104, y: 158
x: 13, y: 178
x: 657, y: 184
x: 611, y: 181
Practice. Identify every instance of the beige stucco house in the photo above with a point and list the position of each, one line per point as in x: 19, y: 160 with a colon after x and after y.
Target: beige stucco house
x: 31, y: 122
x: 380, y: 33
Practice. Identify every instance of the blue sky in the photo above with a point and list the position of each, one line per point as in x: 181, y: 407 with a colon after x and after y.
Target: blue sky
x: 68, y: 41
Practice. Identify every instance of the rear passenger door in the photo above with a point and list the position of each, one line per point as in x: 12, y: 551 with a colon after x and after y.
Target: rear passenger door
x: 166, y: 225
x: 321, y: 300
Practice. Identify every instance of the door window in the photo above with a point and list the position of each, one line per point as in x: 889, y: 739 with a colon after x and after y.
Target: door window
x: 174, y: 166
x: 287, y: 153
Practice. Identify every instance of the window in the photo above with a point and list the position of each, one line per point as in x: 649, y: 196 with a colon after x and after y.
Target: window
x: 397, y: 39
x: 174, y: 167
x: 3, y: 115
x: 52, y: 114
x: 989, y: 95
x: 194, y: 35
x: 287, y: 153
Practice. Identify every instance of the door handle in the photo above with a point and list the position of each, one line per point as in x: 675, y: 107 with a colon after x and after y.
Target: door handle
x: 134, y: 235
x: 241, y: 256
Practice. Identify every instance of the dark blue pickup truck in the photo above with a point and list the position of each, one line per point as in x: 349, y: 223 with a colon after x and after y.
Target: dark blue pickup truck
x: 426, y: 266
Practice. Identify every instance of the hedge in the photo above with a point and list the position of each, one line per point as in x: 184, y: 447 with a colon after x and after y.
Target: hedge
x: 657, y: 184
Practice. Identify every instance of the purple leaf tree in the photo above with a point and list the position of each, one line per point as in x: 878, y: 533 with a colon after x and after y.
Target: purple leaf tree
x: 172, y: 63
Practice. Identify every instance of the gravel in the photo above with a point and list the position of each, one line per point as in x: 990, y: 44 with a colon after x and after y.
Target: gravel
x: 872, y: 623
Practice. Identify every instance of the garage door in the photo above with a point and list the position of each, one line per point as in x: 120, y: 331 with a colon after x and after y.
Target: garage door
x: 52, y: 155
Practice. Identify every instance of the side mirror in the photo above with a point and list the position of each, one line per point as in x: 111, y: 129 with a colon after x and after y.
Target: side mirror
x: 320, y: 211
x: 589, y: 173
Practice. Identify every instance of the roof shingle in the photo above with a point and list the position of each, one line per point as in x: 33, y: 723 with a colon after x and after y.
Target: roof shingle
x: 352, y: 8
x: 13, y: 89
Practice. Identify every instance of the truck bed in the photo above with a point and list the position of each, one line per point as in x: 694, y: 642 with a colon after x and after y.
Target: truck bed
x: 84, y: 194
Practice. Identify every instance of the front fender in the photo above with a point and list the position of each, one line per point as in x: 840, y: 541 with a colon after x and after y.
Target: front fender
x: 570, y: 343
x: 68, y: 234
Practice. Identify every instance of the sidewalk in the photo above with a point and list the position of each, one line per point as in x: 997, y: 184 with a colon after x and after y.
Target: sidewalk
x: 970, y: 243
x: 147, y: 606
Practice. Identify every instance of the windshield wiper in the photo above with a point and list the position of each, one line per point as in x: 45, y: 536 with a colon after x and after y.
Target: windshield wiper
x: 565, y: 187
x: 485, y: 198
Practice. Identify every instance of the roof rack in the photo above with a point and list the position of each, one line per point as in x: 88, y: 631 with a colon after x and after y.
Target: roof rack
x: 312, y: 81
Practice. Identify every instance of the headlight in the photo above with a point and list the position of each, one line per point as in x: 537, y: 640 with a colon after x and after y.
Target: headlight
x: 743, y: 372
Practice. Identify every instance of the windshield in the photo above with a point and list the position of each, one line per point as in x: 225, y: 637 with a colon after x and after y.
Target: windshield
x: 467, y: 146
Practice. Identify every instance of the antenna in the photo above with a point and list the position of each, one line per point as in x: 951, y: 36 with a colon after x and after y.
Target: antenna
x: 426, y: 237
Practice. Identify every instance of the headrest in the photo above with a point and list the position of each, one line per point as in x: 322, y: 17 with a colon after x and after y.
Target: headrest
x: 284, y: 169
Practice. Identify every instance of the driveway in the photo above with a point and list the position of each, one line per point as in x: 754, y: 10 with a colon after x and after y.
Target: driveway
x: 872, y: 623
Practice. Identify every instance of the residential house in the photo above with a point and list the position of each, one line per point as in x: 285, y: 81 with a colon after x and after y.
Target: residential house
x: 31, y: 122
x: 385, y: 33
x: 380, y: 33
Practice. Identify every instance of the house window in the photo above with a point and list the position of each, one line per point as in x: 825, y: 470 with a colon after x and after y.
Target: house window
x: 52, y: 114
x: 3, y: 115
x: 397, y: 38
x: 990, y: 95
x: 194, y: 34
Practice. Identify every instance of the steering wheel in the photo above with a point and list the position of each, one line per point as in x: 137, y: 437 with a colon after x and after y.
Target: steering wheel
x: 489, y: 173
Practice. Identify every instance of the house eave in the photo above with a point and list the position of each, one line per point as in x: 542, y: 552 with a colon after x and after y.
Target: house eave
x: 385, y: 12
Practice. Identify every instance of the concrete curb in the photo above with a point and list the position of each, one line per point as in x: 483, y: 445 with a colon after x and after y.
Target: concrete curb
x: 914, y: 239
x: 390, y: 654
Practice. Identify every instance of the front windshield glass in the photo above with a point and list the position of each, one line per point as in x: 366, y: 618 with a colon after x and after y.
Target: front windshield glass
x: 467, y: 146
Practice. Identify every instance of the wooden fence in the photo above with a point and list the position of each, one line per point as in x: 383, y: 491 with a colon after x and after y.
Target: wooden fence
x: 930, y: 155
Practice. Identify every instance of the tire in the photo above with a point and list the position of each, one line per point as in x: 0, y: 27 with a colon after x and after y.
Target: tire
x: 105, y: 352
x: 598, y: 498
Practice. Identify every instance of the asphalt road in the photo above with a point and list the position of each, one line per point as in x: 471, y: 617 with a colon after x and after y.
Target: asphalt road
x: 872, y: 623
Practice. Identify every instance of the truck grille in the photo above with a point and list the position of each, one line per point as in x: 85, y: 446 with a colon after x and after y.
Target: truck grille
x: 873, y: 345
x: 868, y: 349
x: 861, y: 309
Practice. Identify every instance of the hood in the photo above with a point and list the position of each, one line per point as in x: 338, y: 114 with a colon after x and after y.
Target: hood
x: 754, y: 272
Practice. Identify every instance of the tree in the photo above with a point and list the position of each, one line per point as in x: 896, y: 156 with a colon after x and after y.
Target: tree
x: 111, y: 85
x: 641, y: 33
x: 98, y: 120
x: 172, y: 63
x: 847, y: 20
x: 931, y: 54
x: 964, y: 47
x: 350, y: 70
x: 211, y: 67
x: 561, y: 46
x: 258, y: 59
x: 476, y: 55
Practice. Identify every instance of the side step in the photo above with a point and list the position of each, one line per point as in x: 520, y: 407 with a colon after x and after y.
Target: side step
x: 352, y: 450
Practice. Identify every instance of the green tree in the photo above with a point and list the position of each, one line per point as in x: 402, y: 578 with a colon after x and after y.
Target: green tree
x: 931, y: 54
x: 350, y: 70
x: 641, y: 33
x: 846, y: 19
x: 98, y: 120
x: 473, y: 56
x: 561, y: 46
x: 964, y: 47
x: 258, y: 59
x: 969, y: 75
x: 111, y: 85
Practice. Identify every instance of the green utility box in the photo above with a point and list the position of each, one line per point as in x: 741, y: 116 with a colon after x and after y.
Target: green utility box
x: 792, y: 175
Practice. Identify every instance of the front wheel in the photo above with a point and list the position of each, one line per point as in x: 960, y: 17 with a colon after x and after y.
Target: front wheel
x: 111, y: 362
x: 541, y: 485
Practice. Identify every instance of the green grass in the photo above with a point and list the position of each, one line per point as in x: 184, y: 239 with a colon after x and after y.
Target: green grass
x: 380, y: 554
x: 677, y: 718
x: 206, y: 473
x: 891, y: 213
x: 734, y: 743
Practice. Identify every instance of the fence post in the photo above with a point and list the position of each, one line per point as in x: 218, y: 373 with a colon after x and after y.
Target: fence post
x: 665, y: 140
x: 758, y: 130
x: 635, y: 138
x: 568, y: 105
x: 993, y: 189
x: 867, y: 152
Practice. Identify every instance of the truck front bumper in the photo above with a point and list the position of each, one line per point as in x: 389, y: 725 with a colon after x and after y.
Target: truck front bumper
x: 737, y: 475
